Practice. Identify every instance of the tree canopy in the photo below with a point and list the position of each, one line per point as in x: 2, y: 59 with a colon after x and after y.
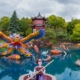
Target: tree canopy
x: 14, y: 24
x: 24, y: 26
x: 76, y: 33
x: 4, y: 23
x: 57, y: 29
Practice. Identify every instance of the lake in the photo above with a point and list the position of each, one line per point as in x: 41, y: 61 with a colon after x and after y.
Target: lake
x: 62, y: 68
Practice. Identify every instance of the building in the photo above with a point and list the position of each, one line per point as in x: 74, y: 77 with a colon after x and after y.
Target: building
x: 38, y: 22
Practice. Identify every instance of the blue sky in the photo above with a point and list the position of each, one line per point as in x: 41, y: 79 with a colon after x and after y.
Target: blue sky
x: 67, y: 9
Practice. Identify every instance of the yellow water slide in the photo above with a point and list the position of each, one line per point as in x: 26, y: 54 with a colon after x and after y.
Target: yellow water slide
x: 26, y: 53
x: 7, y: 52
x: 30, y: 36
x: 4, y: 37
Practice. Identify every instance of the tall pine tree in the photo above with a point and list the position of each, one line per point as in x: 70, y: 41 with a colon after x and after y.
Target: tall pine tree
x: 14, y: 24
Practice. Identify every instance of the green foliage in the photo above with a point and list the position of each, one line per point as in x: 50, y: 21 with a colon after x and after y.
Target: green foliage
x: 28, y: 31
x: 25, y: 26
x: 62, y: 36
x: 52, y: 21
x: 14, y: 24
x: 76, y: 33
x: 50, y: 34
x: 71, y: 25
x: 4, y: 23
x: 61, y: 23
x: 53, y: 41
x: 56, y: 22
x: 57, y: 28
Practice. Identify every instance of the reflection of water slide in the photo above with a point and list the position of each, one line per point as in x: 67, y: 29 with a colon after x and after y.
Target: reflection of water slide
x: 7, y: 52
x: 64, y: 49
x: 45, y: 53
x: 9, y: 68
x: 36, y: 49
x: 4, y: 73
x: 65, y: 53
x: 18, y: 43
x: 36, y: 35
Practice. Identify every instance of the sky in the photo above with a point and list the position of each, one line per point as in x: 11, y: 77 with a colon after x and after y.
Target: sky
x: 67, y: 9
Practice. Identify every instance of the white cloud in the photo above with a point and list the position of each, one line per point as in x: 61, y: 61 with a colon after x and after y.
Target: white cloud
x: 67, y: 9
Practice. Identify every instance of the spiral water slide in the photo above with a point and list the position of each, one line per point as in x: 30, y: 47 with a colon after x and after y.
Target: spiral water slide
x: 4, y: 37
x: 36, y: 35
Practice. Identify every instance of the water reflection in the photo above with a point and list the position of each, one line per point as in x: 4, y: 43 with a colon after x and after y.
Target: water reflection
x: 63, y: 69
x: 14, y: 68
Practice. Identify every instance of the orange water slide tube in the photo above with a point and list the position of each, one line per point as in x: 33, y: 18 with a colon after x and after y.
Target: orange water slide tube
x: 8, y: 39
x: 7, y: 52
x: 56, y: 52
x: 30, y: 36
x: 36, y: 49
x: 78, y: 44
x: 63, y: 47
x: 48, y: 58
x: 14, y: 56
x: 25, y: 52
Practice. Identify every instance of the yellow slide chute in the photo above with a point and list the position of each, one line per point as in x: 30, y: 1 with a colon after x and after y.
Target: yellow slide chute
x: 4, y: 37
x: 18, y: 43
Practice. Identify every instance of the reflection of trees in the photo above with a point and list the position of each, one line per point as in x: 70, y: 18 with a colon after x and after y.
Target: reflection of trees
x: 57, y: 67
x: 59, y: 64
x: 14, y: 68
x: 75, y: 56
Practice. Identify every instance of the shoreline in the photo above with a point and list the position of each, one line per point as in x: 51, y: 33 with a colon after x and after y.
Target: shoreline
x: 68, y: 45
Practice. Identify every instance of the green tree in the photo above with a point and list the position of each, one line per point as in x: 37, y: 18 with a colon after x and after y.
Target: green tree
x: 50, y: 34
x: 28, y: 31
x: 56, y: 22
x: 62, y: 36
x: 52, y: 21
x: 71, y: 25
x: 14, y: 24
x: 25, y: 26
x: 76, y: 33
x: 4, y: 23
x: 61, y: 23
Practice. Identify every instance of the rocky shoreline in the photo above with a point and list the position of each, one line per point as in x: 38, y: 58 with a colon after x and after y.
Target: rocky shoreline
x: 49, y: 44
x: 68, y: 45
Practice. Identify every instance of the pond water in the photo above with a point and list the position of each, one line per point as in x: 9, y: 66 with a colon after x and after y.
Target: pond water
x: 63, y: 69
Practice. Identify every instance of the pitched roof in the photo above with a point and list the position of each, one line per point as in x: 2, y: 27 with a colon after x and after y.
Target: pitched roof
x: 39, y: 17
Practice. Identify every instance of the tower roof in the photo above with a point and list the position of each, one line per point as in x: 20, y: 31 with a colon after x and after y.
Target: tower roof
x: 38, y: 17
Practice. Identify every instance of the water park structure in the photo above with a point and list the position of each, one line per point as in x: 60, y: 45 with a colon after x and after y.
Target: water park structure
x: 15, y: 42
